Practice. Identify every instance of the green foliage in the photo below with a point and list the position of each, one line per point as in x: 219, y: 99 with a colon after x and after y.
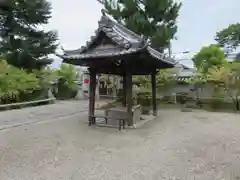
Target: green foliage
x: 208, y: 57
x: 155, y: 19
x: 166, y: 79
x: 67, y: 77
x: 228, y: 78
x: 69, y: 74
x: 145, y: 82
x: 46, y: 76
x: 198, y: 79
x: 22, y: 43
x: 229, y: 38
x: 14, y: 82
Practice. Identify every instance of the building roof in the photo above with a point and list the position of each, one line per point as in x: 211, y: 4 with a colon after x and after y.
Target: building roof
x: 124, y: 42
x: 127, y: 41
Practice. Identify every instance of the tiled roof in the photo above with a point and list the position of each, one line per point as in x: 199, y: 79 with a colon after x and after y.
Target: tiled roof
x: 127, y: 42
x: 103, y: 53
x: 182, y: 78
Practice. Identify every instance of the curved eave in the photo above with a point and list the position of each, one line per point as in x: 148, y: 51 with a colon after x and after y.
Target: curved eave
x: 100, y: 55
x: 159, y: 56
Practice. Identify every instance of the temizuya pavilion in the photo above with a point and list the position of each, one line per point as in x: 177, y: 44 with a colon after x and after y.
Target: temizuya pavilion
x: 114, y: 49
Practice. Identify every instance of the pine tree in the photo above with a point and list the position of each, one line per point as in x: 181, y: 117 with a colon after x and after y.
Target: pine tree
x: 23, y: 43
x: 155, y: 19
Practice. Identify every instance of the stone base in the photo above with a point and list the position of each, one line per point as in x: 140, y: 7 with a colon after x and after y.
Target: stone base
x: 114, y: 124
x: 186, y: 110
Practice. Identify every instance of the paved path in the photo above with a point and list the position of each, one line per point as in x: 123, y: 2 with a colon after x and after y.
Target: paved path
x: 177, y: 146
x: 41, y: 113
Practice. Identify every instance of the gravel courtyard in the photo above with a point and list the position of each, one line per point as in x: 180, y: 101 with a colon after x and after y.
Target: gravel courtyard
x: 178, y: 145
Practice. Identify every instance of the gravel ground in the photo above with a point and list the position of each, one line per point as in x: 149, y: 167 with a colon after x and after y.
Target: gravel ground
x: 186, y: 146
x: 31, y: 115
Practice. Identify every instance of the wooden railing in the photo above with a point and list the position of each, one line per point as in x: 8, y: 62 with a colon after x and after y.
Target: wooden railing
x: 25, y: 104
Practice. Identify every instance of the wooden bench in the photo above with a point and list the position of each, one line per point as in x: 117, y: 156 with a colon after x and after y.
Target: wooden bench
x: 120, y: 115
x: 135, y: 115
x: 24, y: 104
x: 121, y: 120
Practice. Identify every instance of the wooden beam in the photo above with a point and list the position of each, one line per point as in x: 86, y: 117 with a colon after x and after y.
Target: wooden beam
x: 129, y: 97
x: 92, y: 88
x: 154, y: 98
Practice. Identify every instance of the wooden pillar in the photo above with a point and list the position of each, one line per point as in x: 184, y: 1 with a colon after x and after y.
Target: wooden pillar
x: 129, y: 97
x: 92, y: 89
x: 154, y: 98
x: 124, y: 91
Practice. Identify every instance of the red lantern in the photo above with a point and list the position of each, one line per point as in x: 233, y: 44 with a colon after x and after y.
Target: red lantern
x: 85, y: 81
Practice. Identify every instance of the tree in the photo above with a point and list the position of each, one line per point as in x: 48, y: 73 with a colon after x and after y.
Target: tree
x: 46, y: 77
x: 229, y: 38
x: 69, y: 75
x: 228, y: 78
x: 166, y: 79
x: 22, y: 42
x: 155, y: 19
x: 15, y: 82
x: 208, y: 57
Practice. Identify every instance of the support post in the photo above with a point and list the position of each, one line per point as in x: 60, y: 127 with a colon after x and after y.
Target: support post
x: 124, y: 90
x: 154, y: 98
x: 129, y: 97
x: 92, y: 88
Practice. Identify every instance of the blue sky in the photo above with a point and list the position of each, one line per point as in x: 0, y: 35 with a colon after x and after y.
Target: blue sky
x: 198, y: 23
